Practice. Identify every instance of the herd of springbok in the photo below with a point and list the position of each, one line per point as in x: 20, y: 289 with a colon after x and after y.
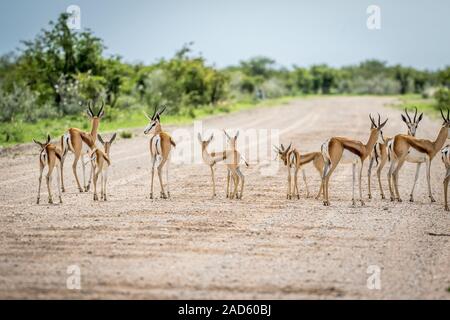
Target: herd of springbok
x: 377, y: 150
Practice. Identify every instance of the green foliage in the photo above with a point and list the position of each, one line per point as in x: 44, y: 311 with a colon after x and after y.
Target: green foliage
x: 442, y: 96
x: 126, y: 134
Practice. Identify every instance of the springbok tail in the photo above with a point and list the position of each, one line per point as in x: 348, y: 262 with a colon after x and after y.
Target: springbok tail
x: 245, y: 161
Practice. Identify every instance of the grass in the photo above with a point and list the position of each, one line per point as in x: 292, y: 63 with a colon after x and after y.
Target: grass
x: 426, y: 105
x: 121, y: 121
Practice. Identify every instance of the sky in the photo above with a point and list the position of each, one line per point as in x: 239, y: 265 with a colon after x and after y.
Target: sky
x: 413, y: 33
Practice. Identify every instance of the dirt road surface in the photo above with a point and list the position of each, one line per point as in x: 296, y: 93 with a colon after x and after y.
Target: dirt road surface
x: 262, y: 246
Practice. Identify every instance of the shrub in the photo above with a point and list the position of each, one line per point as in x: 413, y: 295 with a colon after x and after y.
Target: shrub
x: 126, y: 134
x: 442, y: 97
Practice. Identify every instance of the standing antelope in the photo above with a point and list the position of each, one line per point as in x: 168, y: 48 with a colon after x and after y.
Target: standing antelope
x: 101, y: 162
x: 49, y: 156
x: 399, y: 150
x: 233, y: 159
x: 351, y: 151
x: 446, y: 159
x: 160, y: 146
x: 80, y: 143
x: 380, y: 154
x: 293, y: 159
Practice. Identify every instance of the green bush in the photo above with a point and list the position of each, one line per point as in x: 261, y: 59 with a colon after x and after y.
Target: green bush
x: 442, y: 97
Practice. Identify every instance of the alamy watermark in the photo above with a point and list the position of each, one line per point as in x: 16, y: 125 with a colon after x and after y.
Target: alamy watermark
x: 374, y: 19
x: 374, y: 279
x: 73, y: 281
x: 74, y: 20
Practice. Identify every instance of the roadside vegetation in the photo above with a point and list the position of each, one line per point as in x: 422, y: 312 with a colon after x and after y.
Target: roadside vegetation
x: 45, y: 84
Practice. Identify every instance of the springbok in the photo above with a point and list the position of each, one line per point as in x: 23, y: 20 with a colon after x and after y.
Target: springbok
x: 399, y: 150
x: 294, y: 160
x: 80, y: 143
x: 160, y: 146
x: 212, y: 158
x: 233, y: 160
x: 380, y: 154
x: 49, y: 156
x: 101, y: 162
x: 446, y: 159
x: 351, y: 151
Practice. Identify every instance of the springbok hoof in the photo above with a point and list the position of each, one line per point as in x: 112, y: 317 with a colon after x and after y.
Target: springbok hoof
x: 399, y: 200
x: 81, y: 190
x: 63, y: 190
x: 383, y: 197
x: 369, y: 196
x: 168, y: 194
x: 60, y: 200
x: 104, y: 197
x: 446, y: 208
x: 432, y: 199
x: 50, y: 201
x: 95, y: 197
x: 151, y: 195
x: 362, y: 203
x: 163, y: 196
x: 411, y: 199
x: 37, y: 201
x: 392, y: 199
x: 353, y: 203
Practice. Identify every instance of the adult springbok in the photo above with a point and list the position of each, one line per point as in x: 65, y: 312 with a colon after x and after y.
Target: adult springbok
x: 80, y: 143
x: 349, y: 151
x: 49, y: 156
x: 446, y: 159
x: 294, y: 160
x: 380, y: 154
x: 233, y: 160
x: 400, y: 148
x: 101, y: 161
x: 160, y: 146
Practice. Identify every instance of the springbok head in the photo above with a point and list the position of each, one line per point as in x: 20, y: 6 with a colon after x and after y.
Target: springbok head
x: 91, y: 113
x: 412, y: 124
x: 446, y: 121
x: 43, y: 145
x: 107, y: 144
x: 155, y: 119
x: 378, y: 127
x: 204, y: 143
x: 232, y: 141
x: 283, y: 152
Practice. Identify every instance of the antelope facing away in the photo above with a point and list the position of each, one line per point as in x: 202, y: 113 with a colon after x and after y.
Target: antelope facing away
x: 49, y: 156
x: 101, y: 162
x: 294, y: 160
x: 233, y: 160
x: 80, y: 143
x: 399, y: 150
x: 380, y: 154
x: 160, y: 146
x: 446, y: 159
x: 349, y: 151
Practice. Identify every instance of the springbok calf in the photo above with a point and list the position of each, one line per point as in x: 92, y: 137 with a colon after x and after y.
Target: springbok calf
x: 380, y: 154
x: 399, y: 150
x: 49, y: 156
x: 101, y: 162
x: 294, y: 160
x: 446, y: 159
x: 80, y: 143
x: 350, y: 151
x: 233, y: 160
x: 160, y: 146
x: 212, y: 158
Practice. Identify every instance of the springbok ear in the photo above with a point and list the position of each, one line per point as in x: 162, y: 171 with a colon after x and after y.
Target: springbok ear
x: 420, y: 118
x: 210, y: 138
x: 112, y: 138
x: 48, y: 139
x: 100, y: 138
x: 199, y: 137
x: 404, y: 119
x: 289, y: 147
x: 237, y: 135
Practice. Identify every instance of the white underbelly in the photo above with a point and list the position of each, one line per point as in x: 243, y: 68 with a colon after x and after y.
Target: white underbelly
x: 349, y: 157
x: 415, y: 156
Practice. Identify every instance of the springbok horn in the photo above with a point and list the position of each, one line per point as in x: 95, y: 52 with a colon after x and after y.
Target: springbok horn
x: 282, y: 147
x: 379, y: 120
x: 442, y: 114
x: 48, y: 139
x: 448, y: 114
x: 289, y: 147
x: 415, y: 114
x: 371, y: 120
x: 407, y: 114
x: 160, y: 112
x: 226, y: 134
x: 101, y: 109
x: 146, y: 115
